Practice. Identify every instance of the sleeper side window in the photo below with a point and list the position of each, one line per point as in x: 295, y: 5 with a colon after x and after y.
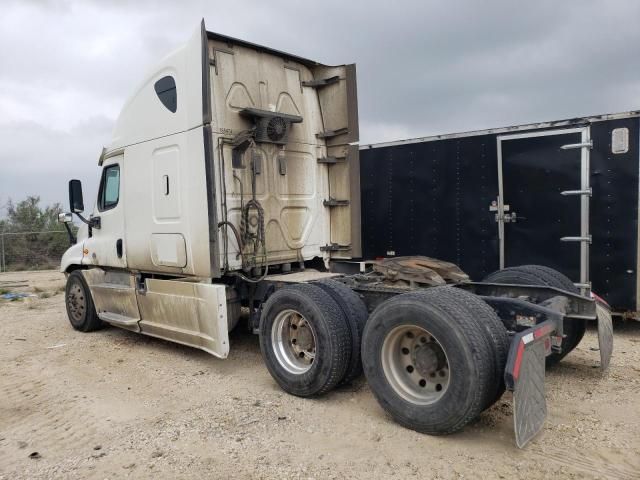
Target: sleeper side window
x: 166, y: 91
x: 109, y: 193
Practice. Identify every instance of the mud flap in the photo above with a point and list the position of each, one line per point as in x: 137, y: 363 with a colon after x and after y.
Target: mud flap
x: 605, y: 333
x: 524, y: 376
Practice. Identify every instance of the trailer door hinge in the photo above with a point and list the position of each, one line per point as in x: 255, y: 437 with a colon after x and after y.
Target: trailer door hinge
x: 334, y: 247
x: 321, y: 82
x: 588, y: 144
x: 588, y: 192
x: 586, y: 239
x: 332, y: 133
x: 332, y: 202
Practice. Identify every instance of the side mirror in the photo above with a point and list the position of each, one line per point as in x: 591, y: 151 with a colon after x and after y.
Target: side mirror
x: 65, y: 218
x: 75, y: 196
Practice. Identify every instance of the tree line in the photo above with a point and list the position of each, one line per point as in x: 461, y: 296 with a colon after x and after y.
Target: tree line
x: 30, y: 236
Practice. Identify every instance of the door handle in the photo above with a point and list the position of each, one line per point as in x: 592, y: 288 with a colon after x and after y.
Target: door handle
x: 119, y: 247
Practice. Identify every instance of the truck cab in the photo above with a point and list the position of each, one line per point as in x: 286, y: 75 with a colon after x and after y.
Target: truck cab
x: 230, y: 159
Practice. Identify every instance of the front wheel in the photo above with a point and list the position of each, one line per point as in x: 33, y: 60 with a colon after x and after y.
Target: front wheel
x: 80, y: 308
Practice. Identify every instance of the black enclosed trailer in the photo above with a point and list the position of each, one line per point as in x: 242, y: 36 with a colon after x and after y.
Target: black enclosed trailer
x: 562, y: 194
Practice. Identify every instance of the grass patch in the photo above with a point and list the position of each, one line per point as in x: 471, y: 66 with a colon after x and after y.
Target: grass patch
x: 4, y: 290
x: 45, y: 294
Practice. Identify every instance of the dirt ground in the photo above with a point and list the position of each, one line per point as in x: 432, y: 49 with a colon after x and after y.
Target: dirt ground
x: 114, y: 404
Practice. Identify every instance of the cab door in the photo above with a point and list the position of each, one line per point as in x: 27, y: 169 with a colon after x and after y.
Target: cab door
x: 112, y: 289
x: 105, y: 245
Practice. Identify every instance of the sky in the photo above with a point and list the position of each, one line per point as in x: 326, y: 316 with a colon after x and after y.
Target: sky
x: 424, y: 67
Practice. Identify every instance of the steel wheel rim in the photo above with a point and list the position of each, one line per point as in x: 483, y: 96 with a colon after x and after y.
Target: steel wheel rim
x: 76, y: 302
x: 294, y: 341
x: 415, y: 364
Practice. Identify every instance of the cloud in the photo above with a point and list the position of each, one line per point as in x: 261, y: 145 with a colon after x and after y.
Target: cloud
x: 424, y: 67
x: 39, y: 160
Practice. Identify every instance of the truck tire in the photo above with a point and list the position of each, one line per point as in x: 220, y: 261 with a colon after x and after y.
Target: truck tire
x: 356, y: 314
x: 304, y: 339
x: 494, y: 330
x: 80, y: 308
x: 428, y: 360
x: 540, y: 275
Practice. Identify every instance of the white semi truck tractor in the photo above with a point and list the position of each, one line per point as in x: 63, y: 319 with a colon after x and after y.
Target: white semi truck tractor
x: 231, y: 189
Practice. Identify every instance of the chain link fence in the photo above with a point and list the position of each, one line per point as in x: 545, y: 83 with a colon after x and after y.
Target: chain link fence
x: 32, y: 250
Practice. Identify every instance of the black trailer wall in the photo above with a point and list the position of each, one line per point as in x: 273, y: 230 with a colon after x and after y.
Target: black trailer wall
x: 432, y: 198
x: 614, y: 215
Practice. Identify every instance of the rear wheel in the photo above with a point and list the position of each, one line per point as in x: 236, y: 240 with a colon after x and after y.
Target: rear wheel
x: 356, y: 314
x: 428, y: 361
x: 540, y: 275
x: 80, y: 309
x: 494, y: 330
x: 304, y: 339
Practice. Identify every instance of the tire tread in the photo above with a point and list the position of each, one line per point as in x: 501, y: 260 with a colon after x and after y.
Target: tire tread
x: 356, y: 315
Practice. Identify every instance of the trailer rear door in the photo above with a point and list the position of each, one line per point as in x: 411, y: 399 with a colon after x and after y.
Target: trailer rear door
x: 543, y: 206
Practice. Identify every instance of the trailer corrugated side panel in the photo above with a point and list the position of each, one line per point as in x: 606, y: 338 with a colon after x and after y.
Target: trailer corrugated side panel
x: 432, y: 198
x: 614, y: 215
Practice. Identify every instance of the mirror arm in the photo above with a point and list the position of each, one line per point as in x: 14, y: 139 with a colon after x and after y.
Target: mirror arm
x: 72, y: 238
x: 93, y: 222
x: 84, y: 220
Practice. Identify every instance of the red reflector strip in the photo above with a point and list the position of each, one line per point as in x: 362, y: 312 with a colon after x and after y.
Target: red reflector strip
x: 526, y: 339
x: 518, y: 362
x: 542, y: 331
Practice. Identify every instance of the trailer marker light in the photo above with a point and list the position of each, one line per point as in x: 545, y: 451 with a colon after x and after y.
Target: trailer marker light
x: 599, y: 299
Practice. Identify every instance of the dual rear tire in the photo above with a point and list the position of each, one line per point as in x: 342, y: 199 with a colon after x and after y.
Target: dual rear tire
x: 310, y: 337
x: 434, y: 358
x: 539, y: 275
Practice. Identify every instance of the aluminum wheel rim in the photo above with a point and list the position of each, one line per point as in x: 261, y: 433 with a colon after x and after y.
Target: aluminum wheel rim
x: 293, y: 341
x: 415, y: 364
x: 76, y: 302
